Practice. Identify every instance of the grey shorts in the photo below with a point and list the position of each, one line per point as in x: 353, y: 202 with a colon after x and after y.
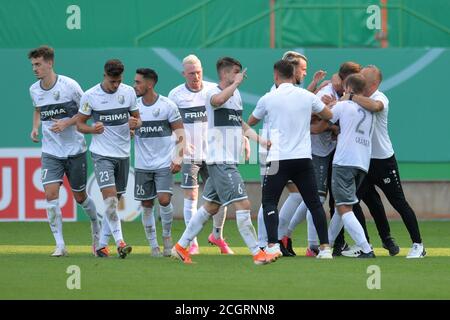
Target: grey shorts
x: 321, y: 165
x: 224, y: 185
x: 147, y: 184
x: 344, y: 183
x: 111, y: 172
x: 75, y: 168
x: 190, y: 172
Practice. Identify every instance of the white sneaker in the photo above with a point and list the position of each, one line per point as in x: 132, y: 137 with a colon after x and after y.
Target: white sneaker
x: 325, y: 254
x: 352, y: 252
x: 156, y: 252
x: 167, y: 242
x: 273, y: 252
x: 417, y: 251
x: 60, y: 252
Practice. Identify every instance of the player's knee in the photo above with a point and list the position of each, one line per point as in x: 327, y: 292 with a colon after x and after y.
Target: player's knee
x: 211, y: 207
x: 243, y: 205
x: 269, y: 207
x: 164, y: 200
x: 191, y: 194
x: 80, y: 197
x: 147, y: 203
x: 51, y: 195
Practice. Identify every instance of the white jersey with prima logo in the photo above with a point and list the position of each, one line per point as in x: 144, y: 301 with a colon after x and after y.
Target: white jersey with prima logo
x: 191, y: 105
x: 355, y: 140
x: 154, y: 142
x: 322, y: 144
x: 381, y: 143
x: 59, y: 102
x: 287, y: 115
x: 112, y: 109
x: 224, y: 129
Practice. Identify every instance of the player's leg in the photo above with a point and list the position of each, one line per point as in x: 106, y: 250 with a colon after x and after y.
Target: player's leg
x: 164, y: 188
x: 304, y: 177
x: 390, y: 183
x: 76, y: 171
x: 287, y: 211
x: 345, y: 182
x: 189, y: 184
x: 145, y: 192
x: 216, y: 236
x: 111, y: 178
x: 274, y: 182
x: 52, y: 177
x: 210, y: 207
x: 321, y: 165
x: 262, y: 232
x: 340, y: 244
x: 230, y: 189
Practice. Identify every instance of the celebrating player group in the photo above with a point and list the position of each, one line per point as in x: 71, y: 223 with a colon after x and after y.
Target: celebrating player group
x: 330, y: 139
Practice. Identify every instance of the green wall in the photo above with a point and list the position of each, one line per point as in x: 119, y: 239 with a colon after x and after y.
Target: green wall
x: 415, y: 80
x: 218, y: 23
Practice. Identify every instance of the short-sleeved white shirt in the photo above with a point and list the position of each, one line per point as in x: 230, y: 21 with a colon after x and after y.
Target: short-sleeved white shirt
x: 224, y: 129
x: 287, y: 115
x: 381, y: 143
x: 191, y: 105
x: 354, y: 143
x: 113, y: 110
x: 59, y: 102
x: 154, y: 143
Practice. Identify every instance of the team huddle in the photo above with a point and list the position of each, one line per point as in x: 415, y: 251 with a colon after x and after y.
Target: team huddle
x: 329, y: 139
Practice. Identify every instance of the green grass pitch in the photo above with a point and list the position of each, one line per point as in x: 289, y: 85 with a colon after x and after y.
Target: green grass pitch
x: 28, y: 272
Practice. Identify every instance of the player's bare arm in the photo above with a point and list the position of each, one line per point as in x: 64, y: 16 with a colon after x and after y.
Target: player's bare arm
x: 83, y: 127
x: 252, y: 120
x: 251, y: 134
x: 318, y: 76
x: 219, y: 99
x: 180, y: 143
x: 135, y: 120
x: 60, y: 125
x: 34, y: 135
x: 365, y: 102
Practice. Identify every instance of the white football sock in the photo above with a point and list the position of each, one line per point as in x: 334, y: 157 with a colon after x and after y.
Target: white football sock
x: 247, y: 230
x: 113, y: 219
x: 54, y: 216
x: 218, y: 222
x: 299, y: 216
x: 262, y: 231
x: 105, y: 232
x: 166, y: 214
x: 287, y: 211
x: 335, y: 227
x: 356, y: 231
x: 313, y: 238
x: 189, y: 210
x: 194, y: 227
x: 148, y: 221
x: 89, y: 207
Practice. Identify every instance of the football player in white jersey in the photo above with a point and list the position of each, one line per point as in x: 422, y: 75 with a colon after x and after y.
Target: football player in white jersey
x: 323, y: 144
x: 190, y: 98
x: 156, y: 159
x: 56, y: 99
x: 384, y: 171
x: 290, y: 155
x: 300, y: 63
x: 225, y: 185
x: 351, y: 163
x: 112, y: 105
